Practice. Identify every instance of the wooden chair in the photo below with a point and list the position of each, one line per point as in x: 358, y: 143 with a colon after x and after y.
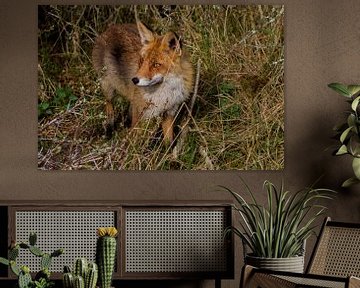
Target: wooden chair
x: 335, y: 262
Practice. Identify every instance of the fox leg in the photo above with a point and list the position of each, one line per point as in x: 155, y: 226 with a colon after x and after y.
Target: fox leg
x: 168, y: 128
x: 109, y: 93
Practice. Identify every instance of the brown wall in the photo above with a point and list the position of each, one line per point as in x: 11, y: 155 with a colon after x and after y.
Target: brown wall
x: 322, y: 46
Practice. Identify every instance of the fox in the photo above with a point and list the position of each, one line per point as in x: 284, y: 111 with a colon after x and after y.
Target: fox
x: 153, y: 72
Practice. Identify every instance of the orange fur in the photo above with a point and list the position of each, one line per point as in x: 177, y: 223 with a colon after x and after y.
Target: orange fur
x: 152, y: 72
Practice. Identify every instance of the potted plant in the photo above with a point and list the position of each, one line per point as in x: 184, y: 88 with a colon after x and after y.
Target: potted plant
x: 42, y: 278
x: 276, y: 233
x: 349, y: 132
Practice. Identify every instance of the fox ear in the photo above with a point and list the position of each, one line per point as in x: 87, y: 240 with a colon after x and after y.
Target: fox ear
x: 173, y: 41
x: 146, y: 35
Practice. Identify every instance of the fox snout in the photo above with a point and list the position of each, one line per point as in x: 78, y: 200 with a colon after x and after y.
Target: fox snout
x: 144, y: 82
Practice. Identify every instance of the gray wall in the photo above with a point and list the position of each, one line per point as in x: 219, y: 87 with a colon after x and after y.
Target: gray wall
x: 322, y: 46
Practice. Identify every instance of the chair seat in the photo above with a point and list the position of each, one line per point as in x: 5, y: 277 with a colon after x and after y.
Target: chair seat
x: 315, y: 282
x: 269, y: 279
x: 334, y: 263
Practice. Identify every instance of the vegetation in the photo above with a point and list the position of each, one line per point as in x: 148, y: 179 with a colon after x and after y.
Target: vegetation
x: 237, y: 121
x: 349, y: 132
x: 42, y: 278
x: 280, y: 229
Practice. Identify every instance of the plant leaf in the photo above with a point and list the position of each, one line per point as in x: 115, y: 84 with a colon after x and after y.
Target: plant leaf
x: 355, y: 103
x: 4, y: 261
x: 345, y: 134
x: 340, y: 88
x: 349, y: 182
x: 356, y: 167
x: 353, y: 89
x: 342, y: 150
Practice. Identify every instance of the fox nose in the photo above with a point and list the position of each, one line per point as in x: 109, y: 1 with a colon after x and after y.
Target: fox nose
x: 135, y: 80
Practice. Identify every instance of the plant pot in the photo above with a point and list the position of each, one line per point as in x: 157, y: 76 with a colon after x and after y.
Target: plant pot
x: 291, y: 264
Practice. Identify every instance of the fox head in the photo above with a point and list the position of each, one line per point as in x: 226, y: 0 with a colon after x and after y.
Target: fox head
x: 159, y: 56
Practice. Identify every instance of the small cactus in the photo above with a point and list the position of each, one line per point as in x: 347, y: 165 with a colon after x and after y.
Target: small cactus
x: 68, y: 280
x: 32, y: 239
x: 24, y: 277
x: 81, y: 265
x: 83, y: 274
x: 23, y: 273
x: 79, y: 282
x: 91, y: 276
x: 45, y: 261
x: 106, y: 254
x: 36, y: 251
x: 13, y: 253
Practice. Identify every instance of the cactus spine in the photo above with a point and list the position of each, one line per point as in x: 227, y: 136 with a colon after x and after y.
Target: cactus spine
x: 106, y: 254
x: 84, y: 275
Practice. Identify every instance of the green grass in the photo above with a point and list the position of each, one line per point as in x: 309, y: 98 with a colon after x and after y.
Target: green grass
x: 237, y: 121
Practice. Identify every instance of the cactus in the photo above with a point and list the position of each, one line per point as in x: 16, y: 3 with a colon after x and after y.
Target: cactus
x: 105, y: 254
x: 88, y: 273
x: 32, y: 239
x: 24, y: 278
x: 68, y: 280
x: 45, y: 261
x: 36, y: 251
x: 23, y: 273
x: 13, y: 253
x: 91, y: 276
x: 80, y: 268
x: 79, y: 282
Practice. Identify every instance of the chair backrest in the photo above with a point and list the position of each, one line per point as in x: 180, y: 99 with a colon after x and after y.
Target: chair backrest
x: 337, y: 251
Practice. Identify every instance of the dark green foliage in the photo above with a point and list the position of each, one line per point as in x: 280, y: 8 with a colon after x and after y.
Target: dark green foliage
x: 349, y: 132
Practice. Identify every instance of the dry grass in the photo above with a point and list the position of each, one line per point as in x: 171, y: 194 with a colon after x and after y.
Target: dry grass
x: 238, y: 118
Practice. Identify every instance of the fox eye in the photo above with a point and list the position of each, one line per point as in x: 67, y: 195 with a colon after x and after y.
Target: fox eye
x: 156, y: 65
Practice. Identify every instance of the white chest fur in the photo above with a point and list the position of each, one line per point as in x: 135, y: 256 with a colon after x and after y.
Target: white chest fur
x: 166, y: 98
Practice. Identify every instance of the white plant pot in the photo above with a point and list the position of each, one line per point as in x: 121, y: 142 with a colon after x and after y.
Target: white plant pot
x: 291, y: 264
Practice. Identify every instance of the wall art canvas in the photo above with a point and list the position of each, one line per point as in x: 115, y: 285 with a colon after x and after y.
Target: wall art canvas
x: 166, y: 87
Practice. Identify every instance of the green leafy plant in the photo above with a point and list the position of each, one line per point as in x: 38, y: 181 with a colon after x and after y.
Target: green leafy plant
x: 279, y: 229
x: 349, y: 132
x: 63, y: 99
x: 42, y: 278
